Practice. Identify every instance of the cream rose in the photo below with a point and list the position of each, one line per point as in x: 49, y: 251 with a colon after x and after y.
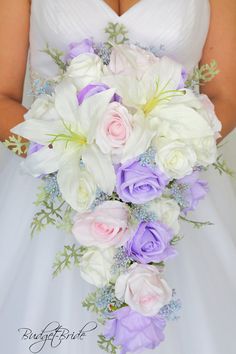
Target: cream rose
x: 95, y: 266
x: 206, y: 150
x: 167, y: 211
x: 84, y: 69
x: 143, y: 289
x: 115, y: 129
x: 77, y: 186
x: 104, y: 227
x: 176, y: 158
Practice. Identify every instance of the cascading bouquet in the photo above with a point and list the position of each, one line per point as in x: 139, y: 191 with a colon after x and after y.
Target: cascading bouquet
x: 118, y: 139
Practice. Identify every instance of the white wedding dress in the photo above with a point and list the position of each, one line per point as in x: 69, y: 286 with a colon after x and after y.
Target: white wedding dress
x: 204, y: 273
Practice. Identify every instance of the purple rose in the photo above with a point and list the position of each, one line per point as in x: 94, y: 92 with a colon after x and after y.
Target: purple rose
x: 139, y: 184
x: 133, y: 331
x: 75, y: 49
x: 93, y: 89
x: 34, y: 147
x: 194, y: 190
x: 151, y: 243
x: 184, y: 76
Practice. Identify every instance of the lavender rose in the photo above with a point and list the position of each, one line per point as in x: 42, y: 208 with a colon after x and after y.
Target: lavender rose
x: 133, y: 331
x: 75, y: 49
x: 196, y: 189
x: 93, y: 89
x: 151, y: 243
x: 139, y: 184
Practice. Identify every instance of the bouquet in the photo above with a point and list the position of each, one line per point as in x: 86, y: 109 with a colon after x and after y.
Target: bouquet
x: 119, y: 138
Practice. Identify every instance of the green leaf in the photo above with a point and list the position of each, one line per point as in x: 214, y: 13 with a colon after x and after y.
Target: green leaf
x: 52, y: 212
x: 107, y: 344
x: 176, y: 239
x: 48, y: 215
x: 203, y: 74
x: 56, y: 55
x: 69, y: 256
x: 197, y: 224
x: 90, y: 302
x: 117, y: 34
x: 16, y: 144
x: 221, y: 166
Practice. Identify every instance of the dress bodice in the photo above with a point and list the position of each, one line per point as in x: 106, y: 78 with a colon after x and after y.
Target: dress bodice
x: 177, y: 28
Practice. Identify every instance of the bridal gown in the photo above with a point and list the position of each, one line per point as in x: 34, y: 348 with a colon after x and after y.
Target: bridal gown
x: 204, y: 272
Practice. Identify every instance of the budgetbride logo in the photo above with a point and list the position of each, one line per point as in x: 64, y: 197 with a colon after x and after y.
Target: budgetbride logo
x: 53, y: 335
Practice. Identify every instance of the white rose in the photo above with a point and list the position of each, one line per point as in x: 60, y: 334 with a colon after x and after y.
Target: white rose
x: 115, y: 129
x: 176, y: 158
x: 95, y: 266
x: 167, y: 211
x: 143, y: 289
x: 42, y: 108
x: 206, y: 150
x: 84, y: 69
x: 130, y: 59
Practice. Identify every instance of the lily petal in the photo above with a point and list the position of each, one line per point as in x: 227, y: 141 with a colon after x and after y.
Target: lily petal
x: 66, y: 101
x: 138, y: 142
x: 166, y: 72
x: 182, y: 122
x: 44, y: 161
x: 100, y: 166
x: 38, y: 130
x: 92, y: 111
x: 77, y: 186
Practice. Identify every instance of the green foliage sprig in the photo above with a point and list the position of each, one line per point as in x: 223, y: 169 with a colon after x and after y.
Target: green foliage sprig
x: 176, y: 239
x: 117, y: 34
x: 203, y: 74
x: 197, y: 224
x: 65, y: 259
x: 17, y: 145
x: 56, y: 55
x: 221, y: 166
x: 107, y: 344
x: 53, y: 212
x: 48, y: 215
x: 90, y: 302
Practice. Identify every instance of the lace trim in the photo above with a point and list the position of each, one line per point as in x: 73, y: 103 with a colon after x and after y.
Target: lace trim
x: 41, y: 85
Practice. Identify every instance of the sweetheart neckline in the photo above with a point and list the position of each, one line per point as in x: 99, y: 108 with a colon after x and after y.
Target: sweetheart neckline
x: 132, y: 8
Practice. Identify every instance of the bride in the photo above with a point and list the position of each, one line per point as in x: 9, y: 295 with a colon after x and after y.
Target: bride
x: 190, y: 31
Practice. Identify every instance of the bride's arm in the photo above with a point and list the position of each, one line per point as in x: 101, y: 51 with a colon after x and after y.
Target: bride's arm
x: 14, y: 42
x: 221, y: 45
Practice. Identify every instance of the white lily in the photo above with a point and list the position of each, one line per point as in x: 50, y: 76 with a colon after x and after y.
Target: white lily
x: 155, y: 88
x: 159, y: 107
x: 145, y: 97
x: 70, y: 139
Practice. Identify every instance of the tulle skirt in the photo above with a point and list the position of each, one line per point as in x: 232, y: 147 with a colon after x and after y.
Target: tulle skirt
x: 203, y: 274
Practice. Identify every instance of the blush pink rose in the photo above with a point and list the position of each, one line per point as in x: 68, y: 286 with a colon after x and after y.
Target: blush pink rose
x: 143, y: 289
x: 104, y: 227
x: 115, y: 129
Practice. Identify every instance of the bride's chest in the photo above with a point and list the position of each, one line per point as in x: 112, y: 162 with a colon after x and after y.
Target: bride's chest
x: 177, y: 28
